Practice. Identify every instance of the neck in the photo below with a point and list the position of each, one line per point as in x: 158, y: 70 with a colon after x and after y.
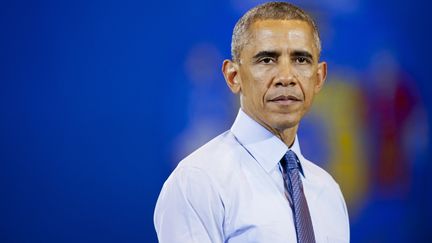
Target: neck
x: 286, y: 134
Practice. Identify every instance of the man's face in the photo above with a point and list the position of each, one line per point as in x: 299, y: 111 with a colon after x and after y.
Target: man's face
x: 278, y: 73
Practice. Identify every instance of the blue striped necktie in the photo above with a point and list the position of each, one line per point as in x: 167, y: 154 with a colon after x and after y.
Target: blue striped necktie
x: 302, y: 219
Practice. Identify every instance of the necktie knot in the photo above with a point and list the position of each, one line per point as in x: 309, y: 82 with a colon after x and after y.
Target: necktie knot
x: 290, y: 161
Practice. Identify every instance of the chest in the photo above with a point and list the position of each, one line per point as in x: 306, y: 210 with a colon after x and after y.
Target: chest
x: 258, y: 211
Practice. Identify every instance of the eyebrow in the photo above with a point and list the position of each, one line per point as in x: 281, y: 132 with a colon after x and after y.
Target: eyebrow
x: 261, y: 54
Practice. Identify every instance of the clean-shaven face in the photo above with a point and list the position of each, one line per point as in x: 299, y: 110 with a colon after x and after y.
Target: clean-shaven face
x: 279, y: 73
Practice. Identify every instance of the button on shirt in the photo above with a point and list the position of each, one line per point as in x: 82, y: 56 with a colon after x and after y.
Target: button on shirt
x: 232, y: 190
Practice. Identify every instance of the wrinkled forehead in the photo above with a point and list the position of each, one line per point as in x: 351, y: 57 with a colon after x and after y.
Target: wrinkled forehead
x: 282, y: 33
x: 282, y: 28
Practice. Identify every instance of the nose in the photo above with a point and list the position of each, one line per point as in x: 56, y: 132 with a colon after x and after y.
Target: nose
x: 285, y: 76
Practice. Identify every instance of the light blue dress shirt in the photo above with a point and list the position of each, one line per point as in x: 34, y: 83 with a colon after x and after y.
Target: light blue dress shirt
x: 232, y: 190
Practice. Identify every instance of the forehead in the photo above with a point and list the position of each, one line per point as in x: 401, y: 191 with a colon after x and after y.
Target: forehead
x: 292, y: 34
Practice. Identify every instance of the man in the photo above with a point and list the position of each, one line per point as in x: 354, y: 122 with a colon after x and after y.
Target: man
x: 251, y: 183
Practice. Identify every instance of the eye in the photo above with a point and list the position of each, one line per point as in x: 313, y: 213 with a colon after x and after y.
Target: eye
x: 302, y: 60
x: 266, y: 60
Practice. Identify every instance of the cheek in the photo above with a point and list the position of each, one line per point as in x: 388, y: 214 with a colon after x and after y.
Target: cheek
x: 305, y: 73
x: 258, y: 81
x: 308, y: 78
x: 261, y: 74
x: 309, y: 94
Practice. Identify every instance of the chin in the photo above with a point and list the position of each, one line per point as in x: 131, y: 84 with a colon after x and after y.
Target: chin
x: 281, y: 126
x: 288, y: 119
x: 285, y: 122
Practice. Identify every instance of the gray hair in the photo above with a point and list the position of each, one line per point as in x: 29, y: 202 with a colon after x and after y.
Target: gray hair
x: 268, y: 11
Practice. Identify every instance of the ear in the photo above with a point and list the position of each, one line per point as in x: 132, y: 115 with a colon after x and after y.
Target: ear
x: 231, y: 74
x: 321, y: 76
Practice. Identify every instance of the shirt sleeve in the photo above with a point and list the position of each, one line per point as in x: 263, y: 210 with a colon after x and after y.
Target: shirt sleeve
x: 189, y: 209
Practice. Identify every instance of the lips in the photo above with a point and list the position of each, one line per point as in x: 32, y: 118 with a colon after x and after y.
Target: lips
x: 285, y: 98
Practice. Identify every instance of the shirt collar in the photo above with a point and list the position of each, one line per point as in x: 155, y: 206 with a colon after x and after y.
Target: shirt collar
x: 264, y: 146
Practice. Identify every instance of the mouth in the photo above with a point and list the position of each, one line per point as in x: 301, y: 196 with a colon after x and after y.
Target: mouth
x: 285, y: 100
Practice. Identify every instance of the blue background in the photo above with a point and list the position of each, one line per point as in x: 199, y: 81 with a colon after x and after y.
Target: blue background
x: 94, y: 96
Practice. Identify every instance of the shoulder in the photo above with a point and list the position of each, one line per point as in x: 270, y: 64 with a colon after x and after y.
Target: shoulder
x: 219, y: 155
x: 210, y: 164
x: 203, y: 174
